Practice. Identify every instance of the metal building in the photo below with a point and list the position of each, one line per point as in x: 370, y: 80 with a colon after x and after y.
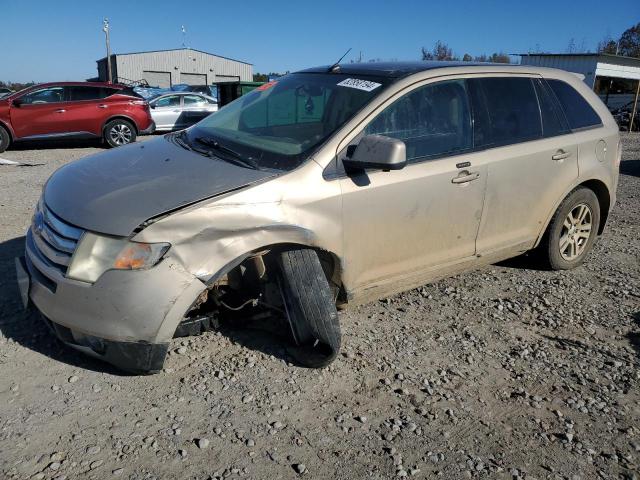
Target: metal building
x: 616, y: 79
x: 163, y: 68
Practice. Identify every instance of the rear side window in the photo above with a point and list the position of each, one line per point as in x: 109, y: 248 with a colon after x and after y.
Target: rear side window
x: 193, y: 100
x: 577, y: 110
x: 433, y: 120
x: 511, y: 112
x: 78, y: 93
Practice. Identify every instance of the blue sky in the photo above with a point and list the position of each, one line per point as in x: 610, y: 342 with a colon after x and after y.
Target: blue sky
x: 46, y: 40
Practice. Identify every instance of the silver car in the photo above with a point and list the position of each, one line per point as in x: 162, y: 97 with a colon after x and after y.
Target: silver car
x: 178, y: 110
x: 326, y: 188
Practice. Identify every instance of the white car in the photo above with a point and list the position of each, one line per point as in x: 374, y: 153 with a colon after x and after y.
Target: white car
x: 178, y: 110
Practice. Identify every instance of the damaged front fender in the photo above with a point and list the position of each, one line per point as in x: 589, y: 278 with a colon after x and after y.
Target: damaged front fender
x: 297, y: 208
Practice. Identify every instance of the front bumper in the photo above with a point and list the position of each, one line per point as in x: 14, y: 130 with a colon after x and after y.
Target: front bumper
x: 149, y: 130
x: 126, y: 318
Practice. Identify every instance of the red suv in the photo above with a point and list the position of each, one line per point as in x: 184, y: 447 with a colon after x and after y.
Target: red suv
x: 74, y: 110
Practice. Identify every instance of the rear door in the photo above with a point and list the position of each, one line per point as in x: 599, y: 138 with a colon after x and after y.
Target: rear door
x: 195, y: 108
x: 86, y: 111
x: 41, y: 112
x: 530, y: 155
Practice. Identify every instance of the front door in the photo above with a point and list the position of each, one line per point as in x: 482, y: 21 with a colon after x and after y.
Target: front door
x: 40, y: 112
x: 166, y: 112
x: 402, y: 222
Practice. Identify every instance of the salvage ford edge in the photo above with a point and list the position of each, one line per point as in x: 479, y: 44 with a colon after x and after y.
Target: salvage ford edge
x: 328, y: 187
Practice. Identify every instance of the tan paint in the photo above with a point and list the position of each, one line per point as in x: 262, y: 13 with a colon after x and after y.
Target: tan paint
x: 400, y: 230
x: 405, y: 227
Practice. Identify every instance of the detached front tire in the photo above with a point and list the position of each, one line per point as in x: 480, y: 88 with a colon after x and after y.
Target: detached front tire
x: 572, y: 230
x: 119, y: 132
x: 310, y: 308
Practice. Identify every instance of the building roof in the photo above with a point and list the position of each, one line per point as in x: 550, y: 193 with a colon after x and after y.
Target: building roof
x: 174, y: 50
x: 609, y: 56
x: 393, y: 69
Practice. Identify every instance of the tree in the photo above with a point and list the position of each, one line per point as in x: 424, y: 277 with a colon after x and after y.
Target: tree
x: 607, y: 45
x: 629, y: 43
x: 441, y: 51
x: 571, y: 48
x: 500, y: 57
x: 467, y: 58
x: 426, y: 55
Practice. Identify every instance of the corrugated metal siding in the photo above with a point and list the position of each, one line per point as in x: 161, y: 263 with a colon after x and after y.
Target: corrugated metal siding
x: 586, y: 65
x: 131, y: 66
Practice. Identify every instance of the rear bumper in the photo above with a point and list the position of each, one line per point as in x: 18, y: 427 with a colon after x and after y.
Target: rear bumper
x: 149, y: 130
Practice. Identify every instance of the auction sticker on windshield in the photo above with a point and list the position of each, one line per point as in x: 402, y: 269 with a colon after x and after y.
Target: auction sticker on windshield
x: 365, y: 85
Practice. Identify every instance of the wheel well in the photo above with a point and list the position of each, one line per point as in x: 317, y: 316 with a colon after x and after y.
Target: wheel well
x: 8, y: 130
x: 121, y: 117
x: 330, y: 264
x: 604, y: 199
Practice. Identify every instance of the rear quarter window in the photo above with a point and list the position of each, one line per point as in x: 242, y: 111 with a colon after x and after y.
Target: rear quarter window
x: 577, y: 110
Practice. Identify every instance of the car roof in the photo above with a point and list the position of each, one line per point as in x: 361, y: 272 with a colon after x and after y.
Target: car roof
x: 80, y: 84
x: 390, y: 69
x: 181, y: 93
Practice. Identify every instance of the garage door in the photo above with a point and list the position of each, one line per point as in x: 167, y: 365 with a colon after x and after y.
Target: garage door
x: 157, y: 79
x: 193, y: 78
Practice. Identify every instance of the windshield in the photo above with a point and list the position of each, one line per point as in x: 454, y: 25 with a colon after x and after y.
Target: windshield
x: 279, y: 124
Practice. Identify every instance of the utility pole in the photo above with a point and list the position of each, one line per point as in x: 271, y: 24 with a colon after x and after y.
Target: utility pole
x: 105, y: 29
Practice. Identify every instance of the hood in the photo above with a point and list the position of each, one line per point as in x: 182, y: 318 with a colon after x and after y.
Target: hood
x: 115, y: 191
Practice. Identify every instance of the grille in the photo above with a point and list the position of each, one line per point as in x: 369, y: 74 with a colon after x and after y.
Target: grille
x: 52, y: 239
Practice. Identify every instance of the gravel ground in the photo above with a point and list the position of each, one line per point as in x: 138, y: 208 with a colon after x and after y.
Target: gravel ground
x: 506, y: 372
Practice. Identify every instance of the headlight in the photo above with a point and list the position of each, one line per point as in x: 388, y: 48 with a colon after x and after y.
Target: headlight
x: 96, y: 254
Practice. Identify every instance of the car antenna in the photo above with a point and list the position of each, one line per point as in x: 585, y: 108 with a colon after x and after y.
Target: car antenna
x: 336, y: 66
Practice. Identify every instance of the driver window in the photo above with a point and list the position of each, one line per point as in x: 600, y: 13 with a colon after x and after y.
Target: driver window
x: 433, y: 120
x: 46, y: 95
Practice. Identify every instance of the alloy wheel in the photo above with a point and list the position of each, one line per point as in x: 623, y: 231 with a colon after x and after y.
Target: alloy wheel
x: 576, y: 231
x: 120, y: 134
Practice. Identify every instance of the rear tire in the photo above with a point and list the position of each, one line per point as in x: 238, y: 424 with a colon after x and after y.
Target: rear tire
x: 5, y: 139
x: 119, y: 132
x: 310, y: 309
x: 572, y: 231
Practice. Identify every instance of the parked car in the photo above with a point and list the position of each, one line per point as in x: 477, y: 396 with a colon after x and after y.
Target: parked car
x: 5, y: 91
x: 622, y: 116
x: 177, y: 110
x: 331, y: 186
x: 74, y: 110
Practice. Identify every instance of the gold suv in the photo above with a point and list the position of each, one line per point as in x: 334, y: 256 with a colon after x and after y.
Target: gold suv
x: 327, y: 187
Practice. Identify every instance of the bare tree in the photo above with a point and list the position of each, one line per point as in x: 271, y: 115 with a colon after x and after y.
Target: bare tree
x: 629, y: 43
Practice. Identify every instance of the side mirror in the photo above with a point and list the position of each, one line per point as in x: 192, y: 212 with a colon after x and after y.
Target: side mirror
x: 152, y: 105
x: 17, y: 102
x: 378, y: 151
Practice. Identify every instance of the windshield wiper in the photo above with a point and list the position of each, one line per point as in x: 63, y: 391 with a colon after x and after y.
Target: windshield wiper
x: 235, y: 157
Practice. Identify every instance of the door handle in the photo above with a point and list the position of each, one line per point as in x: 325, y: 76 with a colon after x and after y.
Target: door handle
x: 560, y: 155
x: 62, y: 110
x: 465, y: 176
x: 102, y: 106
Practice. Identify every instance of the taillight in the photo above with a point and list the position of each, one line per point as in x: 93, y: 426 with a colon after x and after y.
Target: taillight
x: 139, y: 102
